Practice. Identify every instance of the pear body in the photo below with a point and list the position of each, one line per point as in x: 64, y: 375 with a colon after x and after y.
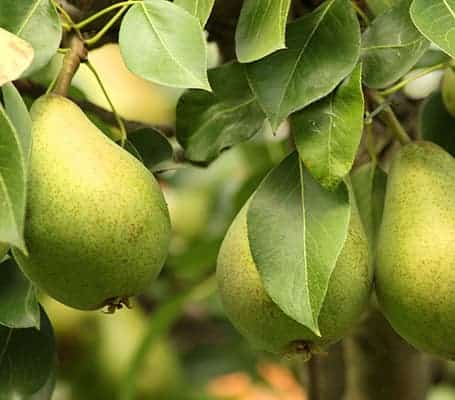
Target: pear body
x: 97, y: 226
x: 262, y: 322
x: 415, y: 277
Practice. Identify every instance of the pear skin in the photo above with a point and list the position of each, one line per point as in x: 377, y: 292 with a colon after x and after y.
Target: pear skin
x: 262, y: 322
x: 415, y: 277
x: 97, y: 226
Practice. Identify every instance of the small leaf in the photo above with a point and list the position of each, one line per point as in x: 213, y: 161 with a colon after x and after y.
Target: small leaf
x: 435, y: 19
x: 436, y: 124
x: 207, y: 123
x: 37, y: 22
x: 201, y: 9
x: 369, y: 186
x: 327, y: 133
x: 17, y: 55
x: 297, y: 230
x: 18, y: 304
x: 153, y: 149
x: 13, y: 174
x: 18, y: 113
x: 154, y: 49
x: 312, y: 66
x: 391, y: 46
x: 261, y: 28
x: 26, y: 359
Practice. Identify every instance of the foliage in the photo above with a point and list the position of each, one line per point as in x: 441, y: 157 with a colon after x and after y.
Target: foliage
x: 302, y: 118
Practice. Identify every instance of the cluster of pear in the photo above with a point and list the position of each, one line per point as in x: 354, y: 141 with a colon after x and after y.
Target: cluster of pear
x: 415, y: 267
x: 97, y: 226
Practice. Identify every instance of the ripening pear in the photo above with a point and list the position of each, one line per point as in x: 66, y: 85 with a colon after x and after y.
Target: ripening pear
x: 262, y: 322
x: 97, y: 227
x: 415, y: 279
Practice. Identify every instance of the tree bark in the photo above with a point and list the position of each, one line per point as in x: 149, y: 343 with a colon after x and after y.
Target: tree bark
x: 327, y: 375
x: 384, y: 366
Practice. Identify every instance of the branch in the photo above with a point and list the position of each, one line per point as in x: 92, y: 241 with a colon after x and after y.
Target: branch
x: 383, y: 366
x: 72, y: 60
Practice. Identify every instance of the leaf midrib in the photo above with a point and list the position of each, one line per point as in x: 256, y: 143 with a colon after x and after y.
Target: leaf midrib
x: 310, y: 37
x: 28, y: 17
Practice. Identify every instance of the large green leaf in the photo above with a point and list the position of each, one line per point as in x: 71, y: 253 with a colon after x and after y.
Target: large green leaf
x: 261, y: 28
x: 207, y: 123
x: 35, y: 21
x: 13, y: 173
x: 323, y: 48
x: 297, y: 230
x: 201, y: 9
x: 17, y: 55
x: 369, y: 185
x: 26, y: 359
x: 435, y: 19
x: 155, y: 49
x: 327, y: 133
x: 18, y: 113
x: 391, y: 46
x: 18, y: 304
x: 436, y: 124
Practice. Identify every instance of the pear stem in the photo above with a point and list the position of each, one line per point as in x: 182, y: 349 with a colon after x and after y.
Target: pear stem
x: 391, y: 119
x: 71, y: 62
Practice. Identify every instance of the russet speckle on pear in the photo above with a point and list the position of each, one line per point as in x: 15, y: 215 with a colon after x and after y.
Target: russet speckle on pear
x: 415, y: 278
x: 97, y: 226
x: 262, y: 322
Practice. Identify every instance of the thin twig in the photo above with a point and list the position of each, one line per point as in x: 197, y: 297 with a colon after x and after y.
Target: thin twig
x: 106, y: 95
x: 104, y: 11
x: 102, y: 32
x: 391, y: 119
x: 404, y: 82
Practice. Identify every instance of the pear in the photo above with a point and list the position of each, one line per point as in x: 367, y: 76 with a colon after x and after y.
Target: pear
x: 415, y: 279
x: 262, y: 322
x: 97, y: 227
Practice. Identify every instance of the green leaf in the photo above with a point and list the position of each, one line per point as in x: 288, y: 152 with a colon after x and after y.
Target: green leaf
x: 13, y: 173
x: 152, y: 148
x: 435, y: 19
x: 154, y: 49
x: 45, y: 393
x: 207, y: 123
x: 327, y: 133
x: 432, y: 57
x: 391, y: 46
x: 261, y: 28
x: 201, y: 9
x: 312, y: 65
x: 18, y: 304
x: 296, y: 230
x: 369, y: 186
x: 18, y: 113
x: 436, y: 124
x: 37, y: 22
x: 378, y: 7
x: 17, y: 55
x: 26, y: 359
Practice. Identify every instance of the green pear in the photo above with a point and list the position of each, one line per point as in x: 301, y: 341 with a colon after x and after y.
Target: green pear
x: 262, y: 322
x: 97, y: 227
x: 415, y: 278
